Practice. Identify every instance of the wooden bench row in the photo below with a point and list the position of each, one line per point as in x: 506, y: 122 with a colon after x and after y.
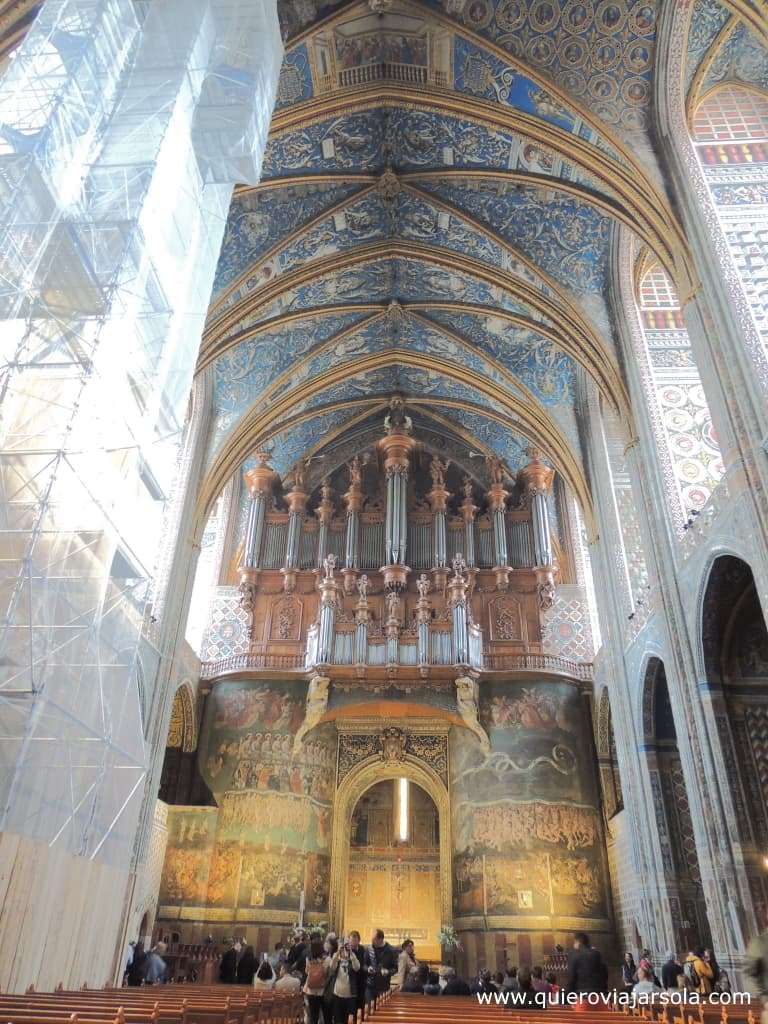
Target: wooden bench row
x: 152, y: 1006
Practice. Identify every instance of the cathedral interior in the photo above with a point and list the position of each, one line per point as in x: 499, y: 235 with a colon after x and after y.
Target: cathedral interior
x: 383, y: 475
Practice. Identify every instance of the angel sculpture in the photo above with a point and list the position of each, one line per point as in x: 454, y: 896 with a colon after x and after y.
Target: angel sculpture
x: 317, y: 705
x: 466, y: 705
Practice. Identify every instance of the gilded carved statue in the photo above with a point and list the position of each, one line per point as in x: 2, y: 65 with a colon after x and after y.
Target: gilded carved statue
x: 437, y: 470
x: 317, y: 705
x: 355, y: 474
x: 466, y: 705
x: 495, y: 470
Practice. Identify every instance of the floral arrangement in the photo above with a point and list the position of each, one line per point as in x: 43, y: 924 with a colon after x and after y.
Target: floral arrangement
x: 449, y: 939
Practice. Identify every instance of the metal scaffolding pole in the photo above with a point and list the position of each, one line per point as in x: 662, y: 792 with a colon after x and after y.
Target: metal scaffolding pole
x: 123, y: 128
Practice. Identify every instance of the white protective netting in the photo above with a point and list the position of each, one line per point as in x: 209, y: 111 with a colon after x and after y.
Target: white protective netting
x: 123, y: 128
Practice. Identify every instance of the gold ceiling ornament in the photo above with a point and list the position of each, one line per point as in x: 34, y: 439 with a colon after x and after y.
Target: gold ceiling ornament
x: 388, y: 186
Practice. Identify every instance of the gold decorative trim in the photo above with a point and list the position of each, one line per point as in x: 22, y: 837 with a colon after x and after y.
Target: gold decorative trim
x: 347, y: 795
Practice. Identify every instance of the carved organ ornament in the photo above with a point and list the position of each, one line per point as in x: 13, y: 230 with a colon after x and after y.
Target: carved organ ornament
x: 416, y: 570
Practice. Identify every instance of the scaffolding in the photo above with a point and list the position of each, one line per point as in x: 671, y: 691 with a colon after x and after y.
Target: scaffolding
x: 123, y: 127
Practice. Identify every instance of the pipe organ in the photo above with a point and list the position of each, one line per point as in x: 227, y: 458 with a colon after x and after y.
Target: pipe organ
x: 396, y: 564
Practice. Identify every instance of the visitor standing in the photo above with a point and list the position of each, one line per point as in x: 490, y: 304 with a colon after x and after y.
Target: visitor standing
x: 343, y: 969
x: 670, y: 973
x: 586, y: 969
x: 228, y: 967
x: 317, y: 971
x: 246, y: 967
x: 382, y: 965
x: 628, y: 972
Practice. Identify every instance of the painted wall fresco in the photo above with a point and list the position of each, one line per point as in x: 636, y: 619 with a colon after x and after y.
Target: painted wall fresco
x: 269, y: 839
x: 527, y: 832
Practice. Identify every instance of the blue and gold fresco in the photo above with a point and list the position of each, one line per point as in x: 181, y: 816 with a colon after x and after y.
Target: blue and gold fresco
x: 708, y: 19
x: 537, y: 361
x: 352, y: 143
x: 566, y: 237
x: 258, y: 219
x: 741, y: 59
x: 598, y: 51
x: 246, y: 371
x: 295, y: 83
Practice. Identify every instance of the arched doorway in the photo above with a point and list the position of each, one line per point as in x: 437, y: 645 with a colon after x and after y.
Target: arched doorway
x: 735, y: 648
x: 344, y: 855
x: 682, y: 874
x: 393, y: 879
x: 180, y: 780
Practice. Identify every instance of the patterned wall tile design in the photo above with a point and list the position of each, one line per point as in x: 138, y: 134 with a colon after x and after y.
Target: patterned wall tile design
x: 228, y: 630
x: 691, y: 437
x: 566, y: 626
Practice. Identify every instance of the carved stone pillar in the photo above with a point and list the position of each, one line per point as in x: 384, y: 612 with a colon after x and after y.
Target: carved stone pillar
x: 536, y: 480
x: 324, y: 513
x: 329, y: 602
x: 497, y: 499
x: 457, y: 601
x: 353, y: 500
x: 297, y: 502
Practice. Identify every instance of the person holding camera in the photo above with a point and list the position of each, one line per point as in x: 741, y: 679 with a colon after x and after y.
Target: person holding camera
x: 344, y: 971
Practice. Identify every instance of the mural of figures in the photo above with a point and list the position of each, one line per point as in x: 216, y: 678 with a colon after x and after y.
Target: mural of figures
x: 269, y: 838
x: 527, y: 832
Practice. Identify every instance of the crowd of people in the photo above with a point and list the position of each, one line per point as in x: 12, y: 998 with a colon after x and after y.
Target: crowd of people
x: 339, y: 976
x: 699, y: 972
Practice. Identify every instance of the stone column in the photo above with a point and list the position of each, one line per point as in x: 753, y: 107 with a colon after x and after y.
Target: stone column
x: 353, y: 500
x: 297, y: 502
x: 536, y: 480
x: 497, y: 498
x: 324, y: 513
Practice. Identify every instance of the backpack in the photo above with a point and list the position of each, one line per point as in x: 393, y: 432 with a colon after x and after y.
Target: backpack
x: 691, y: 975
x: 315, y: 974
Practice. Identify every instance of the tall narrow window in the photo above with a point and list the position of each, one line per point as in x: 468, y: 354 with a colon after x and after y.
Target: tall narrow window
x: 403, y: 810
